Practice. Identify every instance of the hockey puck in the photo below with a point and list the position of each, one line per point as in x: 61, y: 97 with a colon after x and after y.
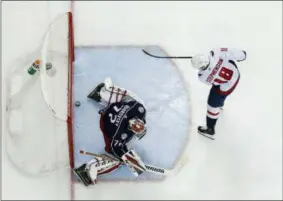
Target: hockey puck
x: 77, y: 103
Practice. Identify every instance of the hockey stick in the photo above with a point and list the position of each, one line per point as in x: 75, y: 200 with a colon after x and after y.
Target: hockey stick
x: 167, y: 57
x: 149, y: 168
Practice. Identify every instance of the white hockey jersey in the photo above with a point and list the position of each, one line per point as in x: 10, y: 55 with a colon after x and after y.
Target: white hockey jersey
x: 222, y: 70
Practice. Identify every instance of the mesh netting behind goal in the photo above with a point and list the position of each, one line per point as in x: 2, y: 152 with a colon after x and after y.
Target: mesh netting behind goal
x: 39, y: 109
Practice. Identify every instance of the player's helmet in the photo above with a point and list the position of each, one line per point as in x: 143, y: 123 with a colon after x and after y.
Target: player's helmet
x: 200, y: 61
x: 138, y: 127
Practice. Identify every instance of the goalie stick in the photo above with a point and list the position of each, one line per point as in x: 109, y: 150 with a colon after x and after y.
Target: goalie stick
x: 167, y: 57
x: 149, y: 168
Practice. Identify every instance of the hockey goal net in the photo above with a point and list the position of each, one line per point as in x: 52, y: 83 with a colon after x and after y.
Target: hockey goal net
x: 38, y: 136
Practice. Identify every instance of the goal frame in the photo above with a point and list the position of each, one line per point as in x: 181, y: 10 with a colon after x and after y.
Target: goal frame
x: 71, y: 58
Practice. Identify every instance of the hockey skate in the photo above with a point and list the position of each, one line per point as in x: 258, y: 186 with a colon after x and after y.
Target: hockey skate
x: 82, y: 174
x: 94, y: 95
x: 207, y: 132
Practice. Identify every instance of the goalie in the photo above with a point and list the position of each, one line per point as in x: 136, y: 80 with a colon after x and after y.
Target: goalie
x: 121, y: 120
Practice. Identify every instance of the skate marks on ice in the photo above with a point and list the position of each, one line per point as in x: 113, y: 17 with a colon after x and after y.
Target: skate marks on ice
x: 157, y: 82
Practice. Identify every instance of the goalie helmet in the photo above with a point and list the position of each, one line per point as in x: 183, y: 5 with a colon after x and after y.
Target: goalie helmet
x: 138, y: 127
x: 200, y: 61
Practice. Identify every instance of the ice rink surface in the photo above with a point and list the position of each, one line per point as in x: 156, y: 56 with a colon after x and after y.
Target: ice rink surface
x: 245, y: 160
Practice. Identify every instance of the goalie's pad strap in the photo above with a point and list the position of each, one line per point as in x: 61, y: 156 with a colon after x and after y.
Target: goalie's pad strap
x: 117, y: 92
x: 106, y: 171
x: 111, y: 93
x: 104, y: 164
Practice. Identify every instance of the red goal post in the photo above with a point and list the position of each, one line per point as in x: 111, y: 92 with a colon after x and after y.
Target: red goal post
x: 71, y: 53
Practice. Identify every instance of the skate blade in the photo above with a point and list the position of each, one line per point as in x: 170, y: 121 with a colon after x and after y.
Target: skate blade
x: 90, y: 95
x: 207, y: 136
x: 93, y: 95
x: 79, y: 177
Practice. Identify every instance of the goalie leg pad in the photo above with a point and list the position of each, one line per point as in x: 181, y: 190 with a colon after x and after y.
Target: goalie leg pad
x: 100, y: 165
x: 103, y: 165
x: 106, y: 93
x: 133, y: 161
x: 112, y: 93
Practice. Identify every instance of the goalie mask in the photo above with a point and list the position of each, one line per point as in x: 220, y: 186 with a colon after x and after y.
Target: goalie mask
x: 138, y: 127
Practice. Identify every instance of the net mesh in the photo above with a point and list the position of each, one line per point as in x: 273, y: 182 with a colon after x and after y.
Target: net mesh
x: 37, y: 110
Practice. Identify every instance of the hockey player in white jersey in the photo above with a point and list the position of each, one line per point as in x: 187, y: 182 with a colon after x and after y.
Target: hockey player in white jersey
x: 219, y: 69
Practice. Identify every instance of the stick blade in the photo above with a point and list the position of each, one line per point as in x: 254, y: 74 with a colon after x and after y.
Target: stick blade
x: 166, y: 57
x: 149, y: 54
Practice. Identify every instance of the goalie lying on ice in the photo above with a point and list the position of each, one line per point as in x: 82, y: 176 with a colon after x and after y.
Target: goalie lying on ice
x: 121, y: 120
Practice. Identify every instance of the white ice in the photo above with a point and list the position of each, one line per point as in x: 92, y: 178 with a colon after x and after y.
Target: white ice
x: 245, y: 160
